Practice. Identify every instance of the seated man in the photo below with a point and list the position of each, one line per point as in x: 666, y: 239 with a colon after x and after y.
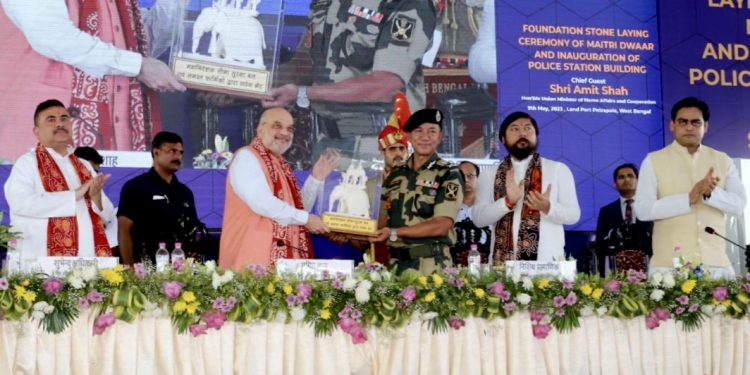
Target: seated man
x: 618, y: 232
x: 56, y: 199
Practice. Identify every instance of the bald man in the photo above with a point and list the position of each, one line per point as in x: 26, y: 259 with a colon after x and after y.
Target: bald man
x: 266, y: 219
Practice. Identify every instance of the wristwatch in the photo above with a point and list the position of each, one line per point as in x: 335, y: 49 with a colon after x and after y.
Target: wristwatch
x: 302, y: 100
x: 394, y: 235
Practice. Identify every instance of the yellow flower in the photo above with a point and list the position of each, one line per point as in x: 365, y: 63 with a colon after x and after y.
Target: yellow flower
x: 29, y: 296
x: 25, y: 282
x: 597, y: 293
x: 422, y: 280
x: 188, y: 296
x: 469, y: 302
x: 688, y: 285
x: 437, y: 279
x: 111, y: 276
x: 429, y: 297
x: 586, y: 289
x: 542, y: 283
x: 22, y: 293
x: 277, y: 278
x: 179, y: 306
x: 119, y: 268
x: 270, y: 288
x: 726, y: 302
x: 288, y: 289
x: 325, y: 314
x: 192, y: 307
x: 479, y: 292
x: 327, y: 303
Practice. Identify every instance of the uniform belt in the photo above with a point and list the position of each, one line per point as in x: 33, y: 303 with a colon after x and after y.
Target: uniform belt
x: 415, y: 252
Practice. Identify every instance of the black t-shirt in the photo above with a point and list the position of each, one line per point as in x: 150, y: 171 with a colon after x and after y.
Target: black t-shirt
x: 161, y: 212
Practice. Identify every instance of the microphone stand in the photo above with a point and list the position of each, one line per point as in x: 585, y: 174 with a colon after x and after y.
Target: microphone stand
x: 746, y: 248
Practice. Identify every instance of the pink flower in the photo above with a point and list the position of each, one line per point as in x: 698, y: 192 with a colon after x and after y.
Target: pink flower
x: 567, y: 284
x: 636, y: 276
x: 571, y: 299
x: 683, y: 299
x: 53, y: 286
x: 559, y: 301
x: 257, y: 269
x: 94, y: 296
x: 679, y: 310
x: 304, y: 290
x: 652, y: 321
x: 456, y: 323
x: 510, y: 307
x: 140, y: 270
x: 504, y: 295
x: 661, y: 313
x: 337, y: 283
x: 4, y: 284
x: 178, y: 265
x: 541, y: 330
x: 83, y: 303
x: 536, y: 315
x: 613, y: 286
x: 496, y: 288
x: 359, y: 336
x: 693, y: 308
x: 560, y: 312
x: 197, y: 329
x: 720, y: 293
x: 346, y: 324
x: 409, y: 294
x: 172, y: 289
x: 102, y: 322
x: 214, y: 320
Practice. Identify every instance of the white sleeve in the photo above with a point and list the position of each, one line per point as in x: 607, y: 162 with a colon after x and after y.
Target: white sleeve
x: 564, y: 208
x: 731, y: 199
x: 27, y: 198
x: 647, y: 206
x: 247, y: 180
x: 160, y: 21
x: 486, y: 210
x: 50, y: 32
x: 310, y: 191
x: 482, y: 58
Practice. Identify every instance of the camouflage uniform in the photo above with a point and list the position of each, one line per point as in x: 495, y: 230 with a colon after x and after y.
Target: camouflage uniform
x: 351, y: 38
x: 412, y: 197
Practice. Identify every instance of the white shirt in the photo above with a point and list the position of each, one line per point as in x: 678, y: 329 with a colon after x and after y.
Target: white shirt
x: 31, y: 206
x: 47, y: 27
x: 249, y: 183
x: 623, y: 207
x: 730, y: 199
x: 564, y: 209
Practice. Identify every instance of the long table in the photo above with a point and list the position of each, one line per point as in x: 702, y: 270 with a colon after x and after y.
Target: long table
x: 605, y: 345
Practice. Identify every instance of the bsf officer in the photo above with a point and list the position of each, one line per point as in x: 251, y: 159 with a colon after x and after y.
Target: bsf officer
x: 421, y: 199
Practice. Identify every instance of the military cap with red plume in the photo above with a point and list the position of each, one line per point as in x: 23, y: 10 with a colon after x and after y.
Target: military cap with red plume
x: 393, y: 132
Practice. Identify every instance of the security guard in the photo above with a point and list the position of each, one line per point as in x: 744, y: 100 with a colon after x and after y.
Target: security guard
x: 362, y: 52
x: 421, y: 200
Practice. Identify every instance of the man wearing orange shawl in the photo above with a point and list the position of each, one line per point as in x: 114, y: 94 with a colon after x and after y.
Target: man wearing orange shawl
x: 56, y: 199
x: 265, y: 213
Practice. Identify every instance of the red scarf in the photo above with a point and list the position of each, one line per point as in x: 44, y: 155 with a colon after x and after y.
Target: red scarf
x: 93, y: 125
x: 62, y: 232
x: 287, y: 239
x: 528, y: 232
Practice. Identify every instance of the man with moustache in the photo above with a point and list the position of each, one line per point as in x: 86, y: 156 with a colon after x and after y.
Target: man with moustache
x: 266, y: 219
x: 467, y: 233
x: 618, y: 232
x: 526, y: 198
x: 56, y: 200
x: 155, y: 206
x: 686, y: 187
x: 421, y: 199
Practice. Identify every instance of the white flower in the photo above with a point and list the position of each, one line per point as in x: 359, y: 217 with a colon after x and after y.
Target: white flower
x: 375, y: 276
x: 219, y: 280
x: 366, y: 284
x: 720, y: 309
x: 349, y: 283
x: 516, y: 275
x: 587, y: 310
x: 76, y: 281
x: 88, y: 273
x: 668, y: 280
x: 386, y: 275
x: 601, y: 310
x: 527, y: 283
x: 429, y: 315
x: 656, y: 279
x: 523, y: 298
x: 49, y: 309
x: 362, y: 295
x: 707, y: 309
x: 40, y: 306
x: 280, y: 317
x: 297, y: 313
x: 210, y: 266
x: 657, y: 294
x: 38, y: 315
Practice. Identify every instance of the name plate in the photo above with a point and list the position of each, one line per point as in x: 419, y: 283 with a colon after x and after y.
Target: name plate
x: 59, y: 266
x: 564, y: 269
x: 315, y: 268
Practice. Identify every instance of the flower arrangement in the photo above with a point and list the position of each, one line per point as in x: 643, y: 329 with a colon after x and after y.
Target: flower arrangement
x: 215, y: 159
x: 6, y: 234
x: 199, y: 298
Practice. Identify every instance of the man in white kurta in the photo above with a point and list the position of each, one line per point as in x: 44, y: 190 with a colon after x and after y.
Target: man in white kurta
x: 686, y: 187
x: 31, y: 206
x: 557, y: 202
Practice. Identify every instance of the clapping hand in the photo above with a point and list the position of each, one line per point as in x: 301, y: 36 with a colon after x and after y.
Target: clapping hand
x: 327, y: 162
x: 539, y: 201
x: 513, y: 191
x: 704, y: 187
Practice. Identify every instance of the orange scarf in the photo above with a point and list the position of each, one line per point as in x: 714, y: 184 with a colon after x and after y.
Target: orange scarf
x: 62, y: 232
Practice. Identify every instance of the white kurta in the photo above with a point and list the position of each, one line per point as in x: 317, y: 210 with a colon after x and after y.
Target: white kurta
x: 564, y: 209
x: 31, y: 206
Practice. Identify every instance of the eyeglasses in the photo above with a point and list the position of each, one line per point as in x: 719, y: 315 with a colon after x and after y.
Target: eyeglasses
x: 684, y: 123
x: 470, y: 175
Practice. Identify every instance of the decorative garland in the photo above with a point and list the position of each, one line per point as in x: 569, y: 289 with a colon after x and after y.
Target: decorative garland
x: 202, y: 297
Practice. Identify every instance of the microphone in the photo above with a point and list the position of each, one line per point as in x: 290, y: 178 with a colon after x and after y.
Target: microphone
x: 710, y: 230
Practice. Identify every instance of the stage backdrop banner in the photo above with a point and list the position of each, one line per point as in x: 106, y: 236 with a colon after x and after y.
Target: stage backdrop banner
x: 588, y: 71
x: 705, y: 47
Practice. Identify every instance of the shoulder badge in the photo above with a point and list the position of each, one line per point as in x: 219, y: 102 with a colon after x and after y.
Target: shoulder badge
x: 402, y: 29
x: 451, y: 191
